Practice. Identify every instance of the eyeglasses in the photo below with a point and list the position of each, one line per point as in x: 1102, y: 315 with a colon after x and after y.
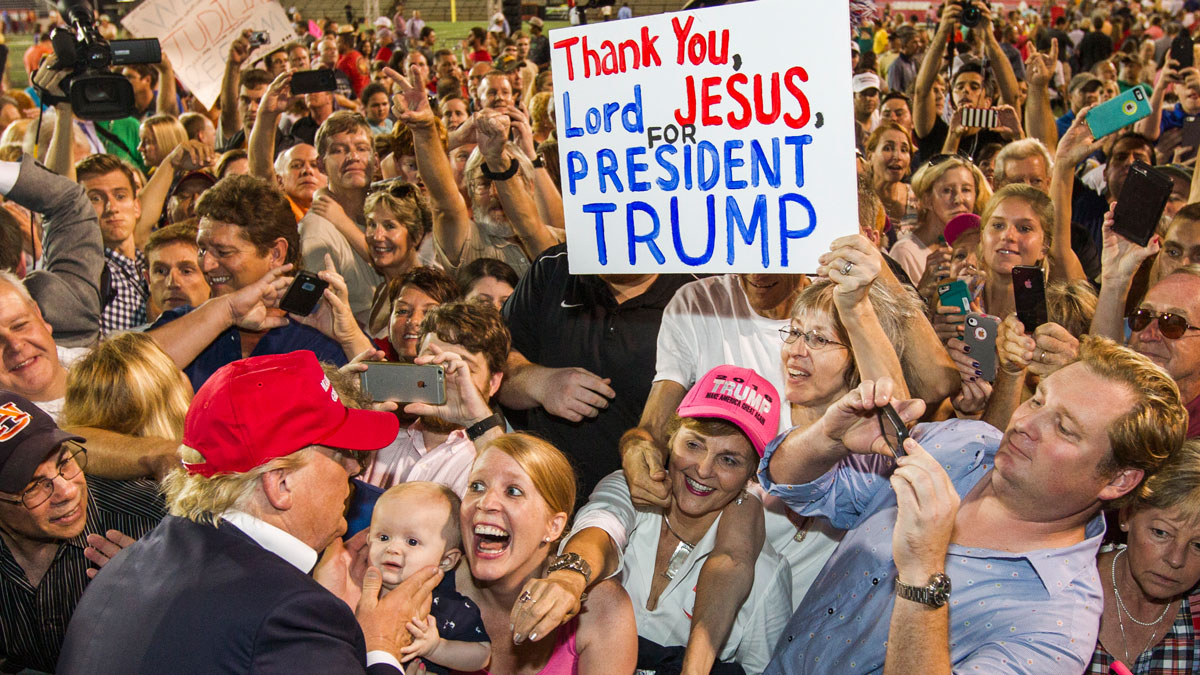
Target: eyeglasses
x: 811, y: 338
x: 396, y: 187
x: 1172, y: 326
x: 70, y: 465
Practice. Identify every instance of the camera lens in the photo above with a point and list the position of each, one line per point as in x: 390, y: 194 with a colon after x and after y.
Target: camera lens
x: 971, y: 16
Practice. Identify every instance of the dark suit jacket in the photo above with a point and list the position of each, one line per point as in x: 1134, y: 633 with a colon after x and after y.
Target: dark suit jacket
x: 190, y: 598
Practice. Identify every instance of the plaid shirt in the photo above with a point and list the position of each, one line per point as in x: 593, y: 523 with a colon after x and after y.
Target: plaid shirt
x: 127, y: 309
x: 1177, y: 653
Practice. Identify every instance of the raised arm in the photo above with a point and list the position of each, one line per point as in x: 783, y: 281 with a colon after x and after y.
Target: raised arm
x: 260, y: 145
x: 924, y: 106
x: 67, y: 287
x: 499, y: 156
x: 545, y: 192
x: 230, y: 122
x: 452, y: 222
x: 1073, y: 148
x: 1120, y: 260
x: 166, y: 104
x: 1002, y: 69
x: 853, y: 264
x: 644, y: 447
x: 1151, y: 125
x: 60, y: 155
x: 187, y: 156
x: 1039, y: 118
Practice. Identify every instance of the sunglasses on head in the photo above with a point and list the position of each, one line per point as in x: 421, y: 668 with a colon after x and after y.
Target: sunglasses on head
x: 941, y: 157
x: 1172, y: 326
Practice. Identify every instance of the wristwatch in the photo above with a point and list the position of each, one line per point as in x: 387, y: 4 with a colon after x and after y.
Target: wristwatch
x: 573, y: 562
x: 484, y: 425
x: 935, y: 594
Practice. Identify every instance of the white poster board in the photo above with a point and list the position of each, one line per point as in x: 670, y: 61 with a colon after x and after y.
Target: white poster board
x: 195, y: 35
x: 715, y: 140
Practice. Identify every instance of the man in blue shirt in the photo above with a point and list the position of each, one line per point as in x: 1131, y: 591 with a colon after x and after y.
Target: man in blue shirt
x: 246, y: 235
x: 975, y: 550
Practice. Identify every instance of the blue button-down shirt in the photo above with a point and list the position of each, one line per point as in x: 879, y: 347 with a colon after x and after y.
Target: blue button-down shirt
x: 227, y: 348
x: 1035, y: 612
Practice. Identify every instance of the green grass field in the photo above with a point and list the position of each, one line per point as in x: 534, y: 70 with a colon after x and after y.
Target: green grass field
x: 449, y: 34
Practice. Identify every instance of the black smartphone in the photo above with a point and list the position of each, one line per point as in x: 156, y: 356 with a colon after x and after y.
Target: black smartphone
x: 303, y: 295
x: 893, y: 429
x: 404, y: 382
x: 1141, y: 202
x: 1191, y: 132
x: 1181, y: 51
x: 311, y: 81
x: 1029, y: 290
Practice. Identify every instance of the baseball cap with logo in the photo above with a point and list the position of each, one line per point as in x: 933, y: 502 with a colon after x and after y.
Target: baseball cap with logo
x: 27, y: 437
x: 257, y: 409
x: 737, y: 395
x: 865, y: 81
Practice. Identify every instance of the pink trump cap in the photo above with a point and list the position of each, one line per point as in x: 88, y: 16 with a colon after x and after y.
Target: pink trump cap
x: 737, y: 395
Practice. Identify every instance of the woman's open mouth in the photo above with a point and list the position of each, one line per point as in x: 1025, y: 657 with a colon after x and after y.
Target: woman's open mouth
x: 491, y: 541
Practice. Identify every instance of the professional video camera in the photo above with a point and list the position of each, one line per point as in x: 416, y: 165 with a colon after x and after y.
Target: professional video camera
x: 94, y: 92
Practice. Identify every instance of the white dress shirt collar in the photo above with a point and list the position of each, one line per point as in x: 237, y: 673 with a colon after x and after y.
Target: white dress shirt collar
x: 295, y: 552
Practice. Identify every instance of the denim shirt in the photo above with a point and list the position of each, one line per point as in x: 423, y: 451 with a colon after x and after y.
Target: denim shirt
x: 1032, y: 612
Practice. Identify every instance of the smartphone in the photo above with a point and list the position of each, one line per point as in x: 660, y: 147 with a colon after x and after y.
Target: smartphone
x: 955, y: 294
x: 404, y: 382
x: 1181, y: 51
x: 259, y: 38
x: 980, y: 336
x: 1141, y: 202
x: 311, y: 81
x: 1029, y: 290
x: 985, y: 118
x: 1191, y: 132
x: 1119, y: 112
x: 893, y: 429
x: 303, y: 295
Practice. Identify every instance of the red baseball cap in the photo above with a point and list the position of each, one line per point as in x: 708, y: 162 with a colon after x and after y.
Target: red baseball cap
x: 257, y: 409
x: 737, y: 395
x: 960, y: 225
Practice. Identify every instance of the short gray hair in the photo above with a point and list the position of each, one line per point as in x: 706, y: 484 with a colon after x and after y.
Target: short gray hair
x: 18, y: 286
x: 1018, y: 150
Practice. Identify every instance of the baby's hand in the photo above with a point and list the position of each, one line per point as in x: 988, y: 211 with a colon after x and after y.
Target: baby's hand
x: 425, y: 639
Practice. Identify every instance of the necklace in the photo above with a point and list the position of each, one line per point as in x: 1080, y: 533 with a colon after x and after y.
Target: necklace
x: 679, y: 555
x: 1122, y: 610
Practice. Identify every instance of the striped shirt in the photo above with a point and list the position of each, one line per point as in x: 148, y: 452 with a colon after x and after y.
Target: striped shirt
x: 33, y: 621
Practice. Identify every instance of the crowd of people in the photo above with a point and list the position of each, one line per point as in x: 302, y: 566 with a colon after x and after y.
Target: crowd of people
x: 892, y: 464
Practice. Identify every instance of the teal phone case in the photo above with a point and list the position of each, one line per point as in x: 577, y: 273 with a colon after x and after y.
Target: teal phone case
x: 955, y: 294
x: 1120, y: 112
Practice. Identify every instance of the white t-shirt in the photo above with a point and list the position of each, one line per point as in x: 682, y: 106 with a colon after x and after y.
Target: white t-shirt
x: 318, y: 236
x: 67, y: 356
x: 710, y: 323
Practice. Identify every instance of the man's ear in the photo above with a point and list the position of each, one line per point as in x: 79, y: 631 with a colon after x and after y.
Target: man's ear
x: 1121, y: 484
x: 450, y: 559
x: 277, y: 489
x: 494, y: 384
x: 278, y: 253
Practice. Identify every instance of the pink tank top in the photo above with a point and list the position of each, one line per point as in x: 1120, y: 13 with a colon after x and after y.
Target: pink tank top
x: 564, y: 660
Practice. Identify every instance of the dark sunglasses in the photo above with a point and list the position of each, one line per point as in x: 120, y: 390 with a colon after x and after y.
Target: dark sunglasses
x: 941, y: 157
x: 396, y: 187
x: 1172, y: 326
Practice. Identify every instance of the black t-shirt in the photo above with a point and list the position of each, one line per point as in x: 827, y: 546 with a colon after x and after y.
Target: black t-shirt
x: 560, y: 320
x: 969, y: 146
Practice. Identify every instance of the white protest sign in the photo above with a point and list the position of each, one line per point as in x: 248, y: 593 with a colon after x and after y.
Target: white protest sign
x: 715, y: 140
x: 195, y: 35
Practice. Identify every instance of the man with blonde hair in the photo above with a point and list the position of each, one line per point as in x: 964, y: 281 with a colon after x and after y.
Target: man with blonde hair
x: 268, y: 449
x: 1004, y: 525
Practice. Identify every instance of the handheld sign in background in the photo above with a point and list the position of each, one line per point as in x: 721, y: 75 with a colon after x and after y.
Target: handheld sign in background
x: 195, y: 35
x: 716, y: 140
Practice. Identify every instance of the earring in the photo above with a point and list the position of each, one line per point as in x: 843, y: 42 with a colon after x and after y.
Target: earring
x: 1124, y: 527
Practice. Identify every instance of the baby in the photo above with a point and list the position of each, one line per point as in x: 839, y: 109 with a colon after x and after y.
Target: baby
x: 414, y: 526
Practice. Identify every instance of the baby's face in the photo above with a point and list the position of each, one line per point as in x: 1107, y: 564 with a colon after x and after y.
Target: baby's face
x: 406, y: 535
